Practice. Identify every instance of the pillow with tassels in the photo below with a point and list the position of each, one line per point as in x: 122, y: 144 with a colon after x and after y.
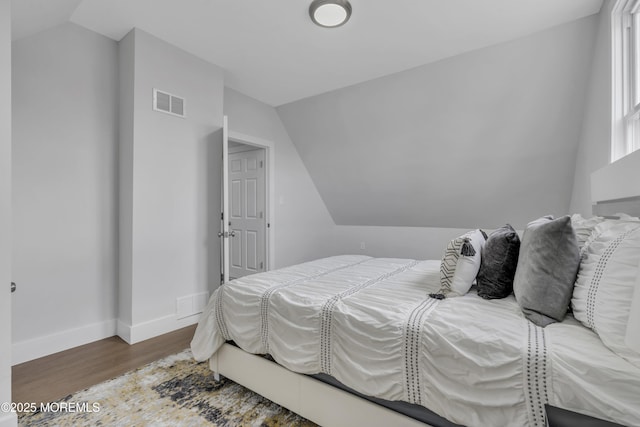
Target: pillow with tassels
x: 460, y: 264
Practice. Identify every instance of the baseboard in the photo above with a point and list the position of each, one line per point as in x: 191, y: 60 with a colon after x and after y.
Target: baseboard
x: 8, y: 419
x: 143, y: 331
x: 24, y: 351
x: 124, y: 331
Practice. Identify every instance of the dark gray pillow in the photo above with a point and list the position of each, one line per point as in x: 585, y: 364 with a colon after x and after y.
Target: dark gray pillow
x: 547, y: 269
x: 498, y: 265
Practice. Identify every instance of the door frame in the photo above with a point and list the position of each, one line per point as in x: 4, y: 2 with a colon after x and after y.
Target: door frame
x: 269, y: 155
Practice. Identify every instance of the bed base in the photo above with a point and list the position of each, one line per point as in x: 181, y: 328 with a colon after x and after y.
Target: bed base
x: 316, y: 401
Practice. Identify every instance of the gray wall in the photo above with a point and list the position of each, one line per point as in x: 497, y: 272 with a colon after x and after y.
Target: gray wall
x: 65, y: 139
x: 170, y: 184
x: 394, y: 242
x: 77, y: 189
x: 304, y: 230
x: 301, y: 222
x: 594, y: 151
x: 6, y: 418
x: 479, y: 139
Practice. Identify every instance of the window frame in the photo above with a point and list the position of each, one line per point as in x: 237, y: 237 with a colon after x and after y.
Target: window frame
x: 625, y: 26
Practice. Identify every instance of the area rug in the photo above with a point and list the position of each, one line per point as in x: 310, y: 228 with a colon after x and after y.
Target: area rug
x: 175, y: 391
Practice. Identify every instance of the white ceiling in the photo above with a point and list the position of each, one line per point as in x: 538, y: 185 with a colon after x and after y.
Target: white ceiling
x: 271, y: 50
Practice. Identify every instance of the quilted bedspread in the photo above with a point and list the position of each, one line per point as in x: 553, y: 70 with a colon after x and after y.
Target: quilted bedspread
x: 370, y: 323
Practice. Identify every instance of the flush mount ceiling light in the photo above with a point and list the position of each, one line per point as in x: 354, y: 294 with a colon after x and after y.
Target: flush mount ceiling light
x: 330, y: 13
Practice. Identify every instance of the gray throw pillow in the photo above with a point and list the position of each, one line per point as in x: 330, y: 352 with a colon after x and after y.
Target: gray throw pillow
x: 498, y: 264
x: 547, y: 269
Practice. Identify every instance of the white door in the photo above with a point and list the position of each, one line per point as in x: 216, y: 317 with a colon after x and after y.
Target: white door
x: 7, y: 418
x: 247, y: 216
x: 224, y: 223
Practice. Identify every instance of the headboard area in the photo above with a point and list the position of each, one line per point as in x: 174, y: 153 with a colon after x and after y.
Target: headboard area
x: 609, y: 208
x: 616, y: 187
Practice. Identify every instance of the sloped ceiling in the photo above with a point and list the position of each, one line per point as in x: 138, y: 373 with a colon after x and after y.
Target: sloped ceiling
x: 486, y: 136
x: 477, y: 140
x: 271, y: 50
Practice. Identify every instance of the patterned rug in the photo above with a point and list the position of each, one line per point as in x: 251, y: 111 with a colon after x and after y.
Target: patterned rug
x: 175, y: 391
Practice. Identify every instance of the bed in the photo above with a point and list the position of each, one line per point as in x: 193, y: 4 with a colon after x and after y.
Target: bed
x: 371, y: 325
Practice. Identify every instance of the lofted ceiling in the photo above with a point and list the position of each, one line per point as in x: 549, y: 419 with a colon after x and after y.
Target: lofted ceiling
x: 271, y: 50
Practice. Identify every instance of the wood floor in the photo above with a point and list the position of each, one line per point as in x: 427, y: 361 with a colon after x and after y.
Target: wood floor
x: 53, y: 377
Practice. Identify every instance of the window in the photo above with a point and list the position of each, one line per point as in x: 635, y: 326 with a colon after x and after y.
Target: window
x: 626, y: 78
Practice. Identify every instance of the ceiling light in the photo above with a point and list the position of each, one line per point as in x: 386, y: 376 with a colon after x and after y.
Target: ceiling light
x: 330, y: 13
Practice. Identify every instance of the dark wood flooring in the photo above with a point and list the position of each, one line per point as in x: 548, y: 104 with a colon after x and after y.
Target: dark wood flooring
x: 56, y: 376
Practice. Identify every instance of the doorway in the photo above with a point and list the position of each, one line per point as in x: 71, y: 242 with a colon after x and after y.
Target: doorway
x: 264, y: 152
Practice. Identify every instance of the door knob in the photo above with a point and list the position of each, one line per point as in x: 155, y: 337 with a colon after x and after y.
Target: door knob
x: 13, y: 287
x: 227, y: 234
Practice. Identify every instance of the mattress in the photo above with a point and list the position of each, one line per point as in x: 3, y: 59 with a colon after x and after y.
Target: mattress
x: 369, y: 323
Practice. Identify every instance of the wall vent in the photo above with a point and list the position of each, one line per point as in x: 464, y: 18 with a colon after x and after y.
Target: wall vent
x: 168, y: 103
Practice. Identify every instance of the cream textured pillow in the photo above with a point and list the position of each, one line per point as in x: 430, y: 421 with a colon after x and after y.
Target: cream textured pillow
x: 460, y: 264
x: 605, y: 285
x: 583, y: 227
x: 626, y: 217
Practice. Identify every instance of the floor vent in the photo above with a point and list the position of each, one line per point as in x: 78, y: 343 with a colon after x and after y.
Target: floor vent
x: 167, y: 103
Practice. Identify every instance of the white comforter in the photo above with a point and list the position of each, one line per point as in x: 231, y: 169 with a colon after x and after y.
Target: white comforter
x: 369, y: 323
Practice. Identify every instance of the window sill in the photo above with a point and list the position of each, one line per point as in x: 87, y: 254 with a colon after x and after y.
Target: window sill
x: 618, y: 180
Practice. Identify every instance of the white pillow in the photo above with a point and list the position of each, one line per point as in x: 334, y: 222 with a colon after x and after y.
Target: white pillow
x: 633, y: 325
x: 583, y: 227
x: 626, y: 217
x: 605, y: 284
x: 460, y: 263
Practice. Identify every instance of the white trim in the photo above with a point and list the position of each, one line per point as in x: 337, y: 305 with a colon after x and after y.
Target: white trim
x: 618, y: 180
x: 321, y: 403
x: 617, y: 78
x: 270, y: 156
x: 124, y: 331
x: 24, y: 351
x: 9, y: 419
x: 133, y: 334
x: 226, y: 262
x: 625, y: 128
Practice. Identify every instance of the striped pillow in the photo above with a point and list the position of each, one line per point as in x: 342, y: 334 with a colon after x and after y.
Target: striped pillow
x: 606, y: 281
x: 460, y: 264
